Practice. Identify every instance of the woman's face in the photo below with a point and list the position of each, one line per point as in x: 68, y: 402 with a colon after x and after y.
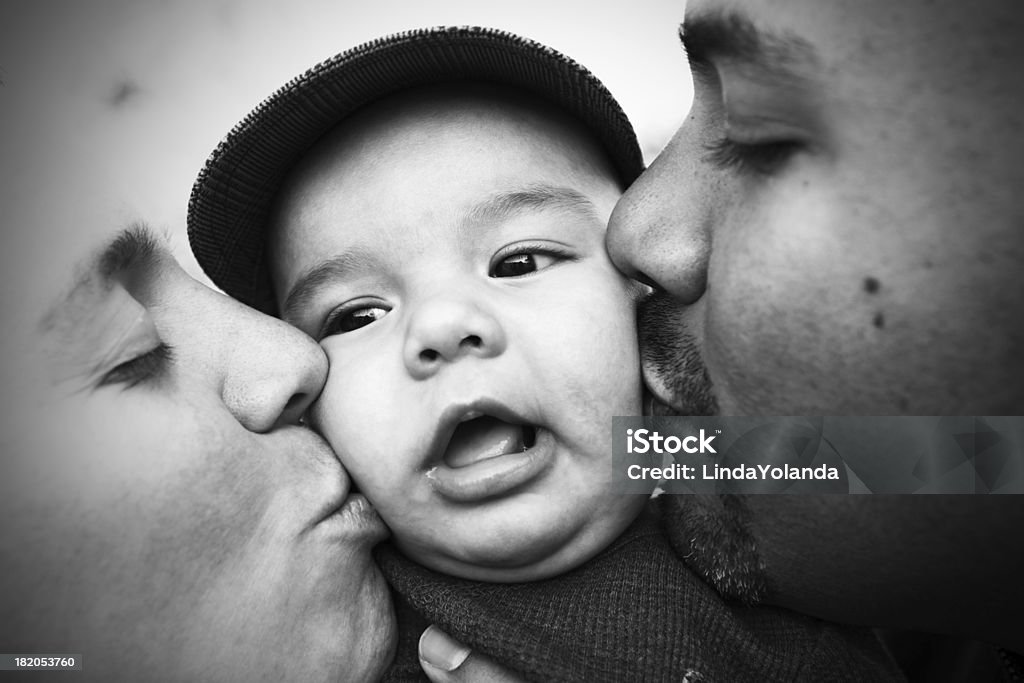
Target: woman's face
x: 161, y: 508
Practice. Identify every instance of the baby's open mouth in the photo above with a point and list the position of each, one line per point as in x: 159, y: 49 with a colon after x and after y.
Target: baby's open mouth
x: 486, y: 437
x: 487, y: 456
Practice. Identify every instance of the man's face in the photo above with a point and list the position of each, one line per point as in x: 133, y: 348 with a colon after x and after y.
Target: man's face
x: 447, y: 248
x: 162, y: 510
x: 835, y: 227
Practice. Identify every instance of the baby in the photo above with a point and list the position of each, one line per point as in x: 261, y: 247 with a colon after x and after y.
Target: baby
x: 445, y: 246
x: 432, y: 209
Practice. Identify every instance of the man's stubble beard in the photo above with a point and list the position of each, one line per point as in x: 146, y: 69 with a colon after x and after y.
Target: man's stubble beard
x: 710, y: 532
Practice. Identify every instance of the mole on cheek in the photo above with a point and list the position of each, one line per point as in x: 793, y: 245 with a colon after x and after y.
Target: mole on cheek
x: 871, y: 286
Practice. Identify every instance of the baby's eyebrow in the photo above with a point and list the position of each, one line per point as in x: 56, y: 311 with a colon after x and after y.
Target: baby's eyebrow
x: 535, y: 197
x: 495, y: 209
x: 306, y: 286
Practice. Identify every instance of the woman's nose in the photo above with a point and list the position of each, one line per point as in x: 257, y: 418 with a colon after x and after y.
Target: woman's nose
x: 270, y: 373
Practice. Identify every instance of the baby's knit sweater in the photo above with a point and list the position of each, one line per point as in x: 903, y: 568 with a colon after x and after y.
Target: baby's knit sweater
x: 634, y: 612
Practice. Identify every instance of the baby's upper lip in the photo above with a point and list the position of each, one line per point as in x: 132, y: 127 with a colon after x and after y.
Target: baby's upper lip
x: 457, y: 413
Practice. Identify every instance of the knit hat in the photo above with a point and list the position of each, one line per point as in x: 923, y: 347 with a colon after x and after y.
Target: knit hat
x: 234, y: 193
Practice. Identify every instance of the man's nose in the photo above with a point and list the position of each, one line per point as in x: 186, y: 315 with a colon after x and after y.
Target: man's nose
x: 445, y: 328
x: 273, y: 372
x: 660, y: 230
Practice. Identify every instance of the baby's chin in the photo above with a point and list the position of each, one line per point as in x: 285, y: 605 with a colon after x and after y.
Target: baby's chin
x: 523, y: 554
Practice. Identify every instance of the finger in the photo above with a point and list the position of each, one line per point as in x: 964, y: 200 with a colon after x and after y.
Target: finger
x: 445, y: 660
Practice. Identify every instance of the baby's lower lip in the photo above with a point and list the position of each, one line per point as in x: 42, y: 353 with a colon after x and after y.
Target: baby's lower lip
x: 493, y: 476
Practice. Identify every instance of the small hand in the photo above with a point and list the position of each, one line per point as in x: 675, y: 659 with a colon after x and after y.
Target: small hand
x: 447, y: 661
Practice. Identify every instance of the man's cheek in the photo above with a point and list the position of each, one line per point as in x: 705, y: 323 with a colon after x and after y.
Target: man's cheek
x: 750, y: 347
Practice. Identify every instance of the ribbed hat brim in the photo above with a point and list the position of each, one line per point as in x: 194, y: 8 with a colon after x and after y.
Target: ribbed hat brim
x: 233, y: 195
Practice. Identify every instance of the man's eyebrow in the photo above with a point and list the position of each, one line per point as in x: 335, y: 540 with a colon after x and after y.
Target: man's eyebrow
x: 306, y: 286
x: 535, y: 197
x: 732, y: 36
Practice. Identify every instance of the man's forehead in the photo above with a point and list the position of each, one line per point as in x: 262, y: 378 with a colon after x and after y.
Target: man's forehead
x: 831, y: 25
x: 941, y: 52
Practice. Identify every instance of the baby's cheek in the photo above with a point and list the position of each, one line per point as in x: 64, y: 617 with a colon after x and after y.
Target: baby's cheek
x: 618, y: 348
x: 352, y: 420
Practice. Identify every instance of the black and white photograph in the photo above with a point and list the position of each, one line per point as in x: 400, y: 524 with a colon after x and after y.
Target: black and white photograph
x: 559, y: 341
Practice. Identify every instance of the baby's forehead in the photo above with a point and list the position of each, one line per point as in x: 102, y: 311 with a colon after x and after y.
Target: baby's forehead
x: 547, y: 208
x: 443, y: 157
x: 470, y: 128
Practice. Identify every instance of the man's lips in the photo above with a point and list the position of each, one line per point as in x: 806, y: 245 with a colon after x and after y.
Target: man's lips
x: 484, y: 449
x: 692, y: 397
x: 657, y: 399
x: 656, y: 407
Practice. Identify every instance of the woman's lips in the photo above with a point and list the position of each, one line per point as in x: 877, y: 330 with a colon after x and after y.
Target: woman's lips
x: 503, y: 461
x: 356, y: 517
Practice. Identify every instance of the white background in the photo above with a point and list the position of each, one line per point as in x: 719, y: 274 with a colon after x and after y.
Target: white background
x: 141, y: 92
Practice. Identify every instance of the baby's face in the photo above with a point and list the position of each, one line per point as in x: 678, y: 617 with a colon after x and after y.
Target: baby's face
x: 447, y: 250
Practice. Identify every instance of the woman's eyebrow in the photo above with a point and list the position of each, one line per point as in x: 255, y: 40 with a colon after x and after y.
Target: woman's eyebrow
x: 133, y: 247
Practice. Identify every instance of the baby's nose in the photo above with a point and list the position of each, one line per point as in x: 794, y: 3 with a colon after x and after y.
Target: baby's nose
x: 443, y: 330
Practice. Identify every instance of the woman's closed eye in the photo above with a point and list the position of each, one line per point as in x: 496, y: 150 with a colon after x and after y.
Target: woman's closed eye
x: 142, y: 369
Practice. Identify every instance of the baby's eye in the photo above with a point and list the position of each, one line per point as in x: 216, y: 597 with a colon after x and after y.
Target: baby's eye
x: 522, y: 263
x: 346, y: 320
